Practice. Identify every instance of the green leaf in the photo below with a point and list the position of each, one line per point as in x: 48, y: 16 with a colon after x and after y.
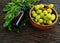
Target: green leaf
x: 8, y: 6
x: 9, y: 28
x: 7, y: 22
x: 58, y: 15
x: 59, y: 23
x: 10, y: 15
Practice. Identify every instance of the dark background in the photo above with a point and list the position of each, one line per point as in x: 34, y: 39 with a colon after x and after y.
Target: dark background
x: 29, y: 34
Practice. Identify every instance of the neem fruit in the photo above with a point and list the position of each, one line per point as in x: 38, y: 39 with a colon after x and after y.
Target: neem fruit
x: 51, y: 5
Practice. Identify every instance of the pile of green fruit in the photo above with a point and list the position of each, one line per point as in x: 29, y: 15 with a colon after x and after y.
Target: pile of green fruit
x: 43, y: 15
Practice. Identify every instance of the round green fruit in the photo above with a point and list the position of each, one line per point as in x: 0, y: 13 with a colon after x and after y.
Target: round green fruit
x: 41, y: 15
x: 36, y: 7
x: 45, y: 18
x: 34, y: 15
x: 48, y: 16
x: 45, y: 12
x: 39, y: 11
x: 40, y: 20
x: 41, y: 5
x: 49, y: 22
x: 33, y: 12
x: 44, y: 21
x: 51, y: 5
x: 49, y: 10
x: 53, y: 17
x: 38, y: 23
x: 38, y: 17
x: 36, y: 20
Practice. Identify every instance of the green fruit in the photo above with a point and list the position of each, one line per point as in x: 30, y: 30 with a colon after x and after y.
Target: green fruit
x: 38, y: 23
x: 33, y: 12
x: 41, y: 5
x: 51, y: 5
x: 45, y: 12
x: 34, y: 15
x: 49, y: 10
x: 38, y: 17
x: 44, y: 21
x: 40, y: 20
x: 49, y: 22
x: 41, y: 15
x: 36, y: 20
x: 45, y: 18
x: 48, y: 16
x: 36, y: 7
x: 39, y: 11
x: 53, y: 17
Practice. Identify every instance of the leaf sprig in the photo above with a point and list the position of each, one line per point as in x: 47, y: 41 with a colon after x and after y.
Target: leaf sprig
x: 12, y: 8
x: 59, y: 20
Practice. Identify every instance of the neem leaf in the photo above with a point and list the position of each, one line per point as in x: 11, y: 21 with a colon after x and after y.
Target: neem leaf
x: 59, y: 23
x: 10, y: 15
x: 9, y: 28
x: 12, y: 9
x: 7, y: 22
x: 58, y: 15
x: 8, y: 6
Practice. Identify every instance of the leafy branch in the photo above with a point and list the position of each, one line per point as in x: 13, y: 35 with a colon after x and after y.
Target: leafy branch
x: 12, y: 8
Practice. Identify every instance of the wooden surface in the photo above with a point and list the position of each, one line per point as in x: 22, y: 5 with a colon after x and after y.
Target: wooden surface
x: 29, y: 34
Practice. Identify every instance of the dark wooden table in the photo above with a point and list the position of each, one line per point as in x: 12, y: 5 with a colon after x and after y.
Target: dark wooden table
x: 29, y: 34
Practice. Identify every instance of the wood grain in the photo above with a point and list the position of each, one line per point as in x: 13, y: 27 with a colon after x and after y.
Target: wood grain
x: 29, y: 34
